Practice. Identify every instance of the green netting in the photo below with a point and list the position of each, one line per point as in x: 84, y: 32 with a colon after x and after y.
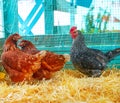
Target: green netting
x: 37, y: 17
x: 47, y: 22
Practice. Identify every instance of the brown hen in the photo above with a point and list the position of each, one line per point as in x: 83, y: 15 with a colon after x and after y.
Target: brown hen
x: 20, y: 66
x: 51, y: 63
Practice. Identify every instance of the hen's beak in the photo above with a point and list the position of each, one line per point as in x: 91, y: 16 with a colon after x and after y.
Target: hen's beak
x: 20, y: 43
x: 19, y: 37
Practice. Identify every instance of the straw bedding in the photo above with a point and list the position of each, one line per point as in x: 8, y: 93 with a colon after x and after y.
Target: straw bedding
x: 66, y: 86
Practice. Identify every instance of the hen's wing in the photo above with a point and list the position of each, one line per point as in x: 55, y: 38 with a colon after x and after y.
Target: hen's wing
x: 50, y: 63
x: 22, y: 62
x: 16, y: 76
x: 91, y: 62
x: 53, y: 62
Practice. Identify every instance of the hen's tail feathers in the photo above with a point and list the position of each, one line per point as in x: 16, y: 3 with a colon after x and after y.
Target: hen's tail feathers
x: 67, y: 57
x: 113, y: 53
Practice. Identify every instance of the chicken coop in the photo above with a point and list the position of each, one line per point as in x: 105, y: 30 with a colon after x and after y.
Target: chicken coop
x: 47, y: 23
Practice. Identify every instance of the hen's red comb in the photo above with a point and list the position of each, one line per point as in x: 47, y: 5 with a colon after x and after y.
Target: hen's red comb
x: 72, y: 29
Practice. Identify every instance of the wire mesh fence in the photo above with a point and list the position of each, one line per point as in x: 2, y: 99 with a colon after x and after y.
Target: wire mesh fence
x: 51, y: 19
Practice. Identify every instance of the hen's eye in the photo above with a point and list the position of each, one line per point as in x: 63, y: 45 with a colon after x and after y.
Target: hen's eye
x: 75, y: 32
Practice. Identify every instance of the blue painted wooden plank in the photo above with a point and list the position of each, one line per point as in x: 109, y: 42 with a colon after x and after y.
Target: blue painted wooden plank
x: 84, y: 3
x: 10, y: 10
x: 35, y: 20
x: 21, y: 21
x: 31, y: 14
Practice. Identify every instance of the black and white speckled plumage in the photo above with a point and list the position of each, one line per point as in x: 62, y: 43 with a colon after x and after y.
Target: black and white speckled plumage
x: 89, y: 61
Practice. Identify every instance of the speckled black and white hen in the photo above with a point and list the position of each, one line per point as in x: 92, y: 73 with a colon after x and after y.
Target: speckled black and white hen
x: 91, y: 62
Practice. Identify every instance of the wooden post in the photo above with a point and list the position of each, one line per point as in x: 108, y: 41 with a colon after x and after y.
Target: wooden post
x: 10, y: 10
x: 49, y: 16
